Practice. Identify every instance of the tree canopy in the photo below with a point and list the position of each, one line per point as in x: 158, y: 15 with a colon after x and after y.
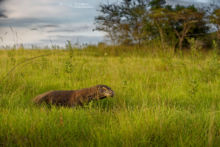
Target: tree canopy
x: 215, y: 19
x: 140, y: 21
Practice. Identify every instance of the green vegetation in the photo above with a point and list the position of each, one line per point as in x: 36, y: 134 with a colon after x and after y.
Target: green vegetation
x: 162, y: 99
x: 141, y: 22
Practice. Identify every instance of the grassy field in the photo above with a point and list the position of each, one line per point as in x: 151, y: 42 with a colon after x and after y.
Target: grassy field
x: 160, y: 100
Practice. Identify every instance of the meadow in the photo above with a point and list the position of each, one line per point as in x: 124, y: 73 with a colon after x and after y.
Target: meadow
x: 161, y: 99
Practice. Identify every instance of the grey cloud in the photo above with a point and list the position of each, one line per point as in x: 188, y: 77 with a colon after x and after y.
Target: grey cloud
x: 78, y: 5
x: 33, y: 22
x: 76, y: 17
x: 66, y: 17
x: 53, y: 28
x: 44, y: 26
x: 34, y: 29
x: 75, y: 38
x: 71, y: 29
x: 2, y: 14
x: 62, y: 39
x: 48, y: 26
x: 2, y: 11
x: 22, y: 22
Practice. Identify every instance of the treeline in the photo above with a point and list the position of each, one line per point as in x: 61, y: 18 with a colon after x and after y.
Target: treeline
x: 139, y: 22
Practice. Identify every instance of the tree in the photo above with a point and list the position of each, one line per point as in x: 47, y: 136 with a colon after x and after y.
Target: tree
x: 138, y: 21
x: 109, y: 21
x: 156, y: 4
x: 178, y: 23
x: 215, y: 19
x: 124, y: 23
x: 160, y: 20
x: 183, y: 20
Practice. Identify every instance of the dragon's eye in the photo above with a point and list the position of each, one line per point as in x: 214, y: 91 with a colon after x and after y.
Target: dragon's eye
x: 104, y: 89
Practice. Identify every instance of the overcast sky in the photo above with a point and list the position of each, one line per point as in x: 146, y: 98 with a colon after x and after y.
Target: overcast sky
x: 47, y: 22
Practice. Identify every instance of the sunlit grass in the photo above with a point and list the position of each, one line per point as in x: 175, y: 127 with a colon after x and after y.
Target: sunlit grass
x: 161, y: 100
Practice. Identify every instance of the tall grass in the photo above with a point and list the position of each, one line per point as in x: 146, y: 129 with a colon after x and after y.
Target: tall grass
x: 161, y: 100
